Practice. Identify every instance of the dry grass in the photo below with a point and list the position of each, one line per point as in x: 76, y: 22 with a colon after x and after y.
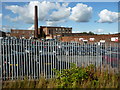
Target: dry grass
x: 104, y: 80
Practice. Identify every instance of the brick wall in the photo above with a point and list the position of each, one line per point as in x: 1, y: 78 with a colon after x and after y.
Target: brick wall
x: 97, y: 38
x: 22, y: 33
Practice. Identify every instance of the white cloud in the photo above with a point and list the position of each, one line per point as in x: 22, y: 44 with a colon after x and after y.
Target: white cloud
x: 54, y: 23
x: 81, y: 13
x: 12, y: 19
x: 62, y: 12
x: 80, y: 31
x: 99, y: 31
x: 5, y: 28
x: 76, y: 31
x: 55, y: 12
x: 46, y: 10
x: 26, y: 13
x: 107, y: 16
x: 31, y: 28
x: 94, y: 31
x: 116, y: 32
x: 0, y: 15
x: 60, y: 0
x: 0, y: 18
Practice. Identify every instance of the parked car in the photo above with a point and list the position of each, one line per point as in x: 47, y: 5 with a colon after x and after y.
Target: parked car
x: 111, y: 59
x: 102, y: 51
x: 70, y: 51
x: 113, y: 49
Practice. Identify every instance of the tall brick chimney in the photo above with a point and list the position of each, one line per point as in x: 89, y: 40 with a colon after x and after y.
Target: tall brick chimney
x: 36, y: 23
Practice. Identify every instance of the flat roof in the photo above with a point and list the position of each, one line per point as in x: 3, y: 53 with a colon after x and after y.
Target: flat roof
x: 55, y: 27
x: 21, y: 30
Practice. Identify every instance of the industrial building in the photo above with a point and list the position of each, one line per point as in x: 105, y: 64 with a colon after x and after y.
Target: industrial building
x: 62, y: 33
x: 55, y: 32
x: 50, y: 32
x: 22, y: 33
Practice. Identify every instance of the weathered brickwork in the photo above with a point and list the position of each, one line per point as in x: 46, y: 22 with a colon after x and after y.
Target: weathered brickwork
x: 97, y: 38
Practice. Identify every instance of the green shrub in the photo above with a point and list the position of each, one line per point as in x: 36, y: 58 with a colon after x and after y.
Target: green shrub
x: 85, y: 77
x: 69, y: 78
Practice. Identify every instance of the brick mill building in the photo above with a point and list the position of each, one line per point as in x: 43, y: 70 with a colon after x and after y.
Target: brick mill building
x: 50, y: 32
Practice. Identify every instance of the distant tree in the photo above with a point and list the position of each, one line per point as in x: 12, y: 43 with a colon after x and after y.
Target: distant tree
x: 84, y: 32
x: 91, y: 33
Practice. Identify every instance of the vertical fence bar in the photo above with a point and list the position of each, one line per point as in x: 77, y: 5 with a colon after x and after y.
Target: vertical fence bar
x: 14, y: 59
x: 3, y: 54
x: 23, y: 59
x: 49, y: 57
x: 41, y: 58
x: 53, y: 64
x: 22, y: 63
x: 33, y: 52
x: 16, y: 64
x: 110, y: 64
x: 60, y: 56
x: 118, y: 57
x: 26, y: 58
x: 9, y: 58
x: 19, y: 58
x: 30, y: 70
x: 39, y: 52
x: 35, y: 48
x: 1, y: 63
x: 50, y: 61
x: 6, y: 59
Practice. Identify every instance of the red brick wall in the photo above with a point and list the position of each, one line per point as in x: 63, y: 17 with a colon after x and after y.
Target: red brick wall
x: 19, y: 33
x: 107, y: 38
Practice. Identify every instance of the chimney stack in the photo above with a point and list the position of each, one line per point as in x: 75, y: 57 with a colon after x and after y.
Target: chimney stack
x: 36, y: 23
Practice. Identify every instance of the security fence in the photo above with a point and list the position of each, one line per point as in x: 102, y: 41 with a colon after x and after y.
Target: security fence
x: 31, y: 58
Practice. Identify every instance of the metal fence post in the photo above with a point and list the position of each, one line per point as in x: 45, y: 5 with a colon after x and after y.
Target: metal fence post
x: 0, y: 63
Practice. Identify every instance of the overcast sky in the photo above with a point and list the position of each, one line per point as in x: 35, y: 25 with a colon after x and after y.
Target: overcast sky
x: 98, y: 17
